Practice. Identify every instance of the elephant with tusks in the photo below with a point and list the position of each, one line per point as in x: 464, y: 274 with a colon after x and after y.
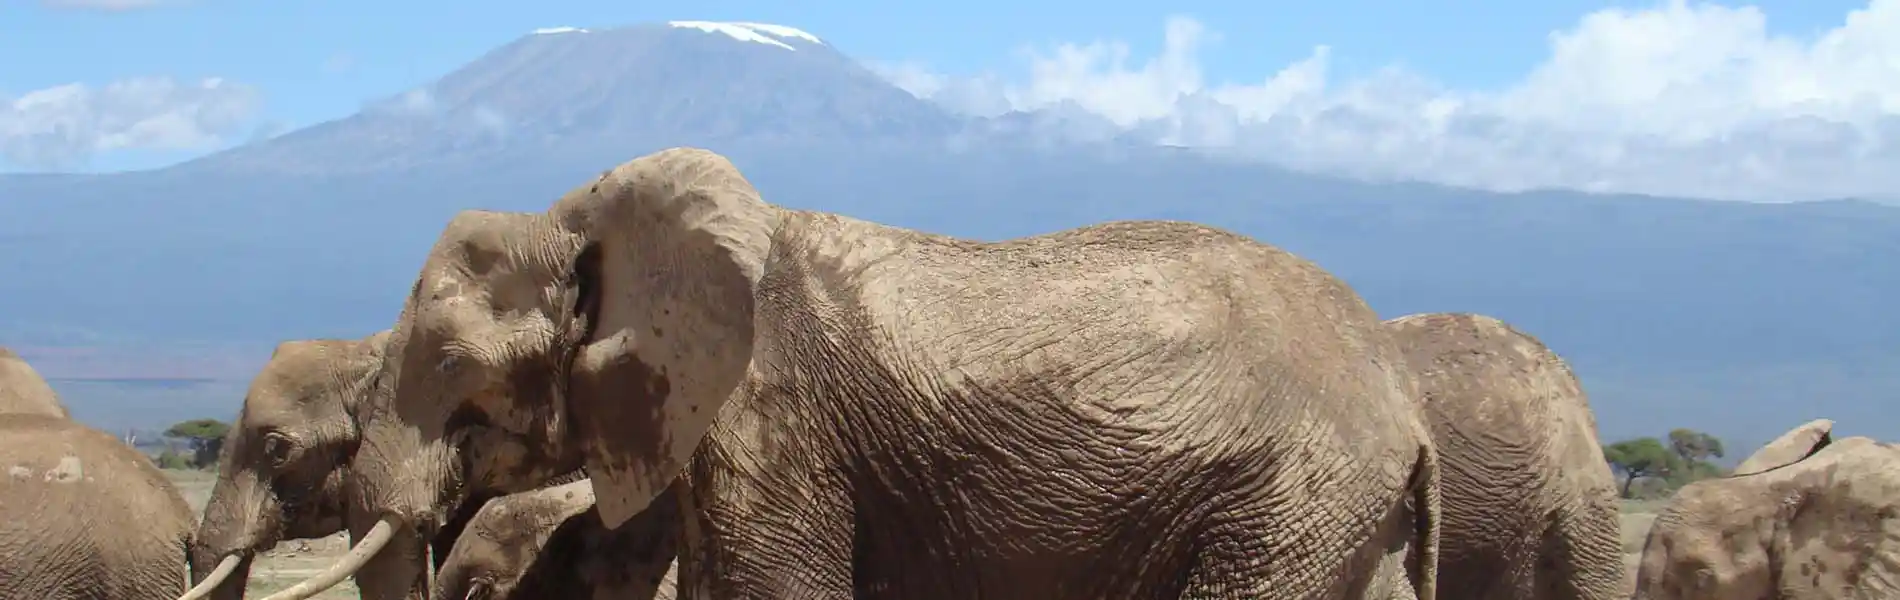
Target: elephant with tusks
x: 1135, y: 409
x: 281, y: 472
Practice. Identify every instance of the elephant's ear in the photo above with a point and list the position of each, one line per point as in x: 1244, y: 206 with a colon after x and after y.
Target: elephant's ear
x: 673, y: 245
x: 364, y: 361
x: 1791, y: 447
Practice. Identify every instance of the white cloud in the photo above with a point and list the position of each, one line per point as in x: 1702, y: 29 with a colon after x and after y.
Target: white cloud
x: 422, y: 103
x: 63, y: 126
x: 1678, y: 99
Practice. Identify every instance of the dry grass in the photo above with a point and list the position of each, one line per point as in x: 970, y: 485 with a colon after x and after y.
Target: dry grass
x: 294, y: 561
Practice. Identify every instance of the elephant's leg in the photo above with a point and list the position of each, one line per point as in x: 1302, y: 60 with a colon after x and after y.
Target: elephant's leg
x: 1582, y: 554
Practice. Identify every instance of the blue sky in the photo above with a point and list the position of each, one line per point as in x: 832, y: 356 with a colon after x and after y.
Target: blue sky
x: 304, y: 61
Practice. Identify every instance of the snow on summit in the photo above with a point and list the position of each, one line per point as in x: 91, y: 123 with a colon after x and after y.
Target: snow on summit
x: 763, y: 33
x: 554, y: 30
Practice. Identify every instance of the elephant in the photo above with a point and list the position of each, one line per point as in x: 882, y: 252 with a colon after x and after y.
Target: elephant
x: 84, y: 516
x: 1820, y: 523
x: 550, y: 543
x: 281, y: 473
x: 23, y: 391
x: 1139, y: 409
x: 1530, y: 506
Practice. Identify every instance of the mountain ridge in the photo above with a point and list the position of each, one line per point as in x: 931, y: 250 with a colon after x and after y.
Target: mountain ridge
x: 1750, y: 316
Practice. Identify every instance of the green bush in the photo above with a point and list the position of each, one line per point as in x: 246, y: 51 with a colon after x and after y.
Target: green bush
x: 169, y: 459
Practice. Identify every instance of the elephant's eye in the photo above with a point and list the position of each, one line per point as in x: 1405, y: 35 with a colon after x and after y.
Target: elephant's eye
x: 450, y: 364
x: 277, y: 449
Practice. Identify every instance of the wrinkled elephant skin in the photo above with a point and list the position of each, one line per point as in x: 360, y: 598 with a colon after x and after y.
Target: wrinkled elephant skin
x: 85, y: 516
x: 874, y: 412
x: 1530, y: 507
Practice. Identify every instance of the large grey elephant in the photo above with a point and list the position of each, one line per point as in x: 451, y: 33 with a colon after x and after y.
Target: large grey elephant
x: 550, y: 543
x: 1825, y: 526
x: 23, y: 391
x: 1132, y: 409
x: 1530, y: 507
x: 83, y: 516
x: 281, y: 473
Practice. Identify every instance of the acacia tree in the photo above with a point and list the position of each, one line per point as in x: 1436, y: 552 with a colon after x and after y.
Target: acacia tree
x: 205, y: 436
x: 1696, y: 452
x: 1639, y: 458
x: 1694, y: 445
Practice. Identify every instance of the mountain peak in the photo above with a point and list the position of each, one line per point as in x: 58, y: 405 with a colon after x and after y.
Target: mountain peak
x: 609, y: 92
x: 762, y: 33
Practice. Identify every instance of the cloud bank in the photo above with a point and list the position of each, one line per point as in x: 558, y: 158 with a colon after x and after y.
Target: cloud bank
x: 63, y: 127
x: 1682, y: 99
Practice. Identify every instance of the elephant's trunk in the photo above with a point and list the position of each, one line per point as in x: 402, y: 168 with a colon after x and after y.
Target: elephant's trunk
x: 366, y: 548
x: 224, y: 582
x: 239, y: 520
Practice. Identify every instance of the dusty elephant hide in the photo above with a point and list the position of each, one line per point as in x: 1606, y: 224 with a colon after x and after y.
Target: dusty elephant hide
x: 1142, y: 409
x: 1530, y: 507
x: 83, y: 516
x: 1825, y: 527
x: 550, y: 543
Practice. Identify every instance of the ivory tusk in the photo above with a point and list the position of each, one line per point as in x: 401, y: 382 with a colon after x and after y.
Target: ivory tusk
x: 211, y: 581
x: 372, y: 542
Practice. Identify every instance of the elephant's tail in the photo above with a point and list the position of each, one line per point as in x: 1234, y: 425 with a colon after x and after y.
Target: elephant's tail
x: 1425, y: 521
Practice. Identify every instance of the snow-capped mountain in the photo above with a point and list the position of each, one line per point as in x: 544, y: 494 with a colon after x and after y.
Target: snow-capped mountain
x: 653, y: 85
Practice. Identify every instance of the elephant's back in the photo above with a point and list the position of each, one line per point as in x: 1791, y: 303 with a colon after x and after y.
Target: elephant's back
x: 23, y: 391
x: 1497, y: 396
x: 86, y: 515
x: 1123, y: 310
x: 63, y: 465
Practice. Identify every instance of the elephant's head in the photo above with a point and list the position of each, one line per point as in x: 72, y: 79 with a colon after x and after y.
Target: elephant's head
x: 281, y: 475
x: 506, y: 540
x: 550, y: 543
x: 607, y: 333
x: 1786, y: 532
x: 23, y: 391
